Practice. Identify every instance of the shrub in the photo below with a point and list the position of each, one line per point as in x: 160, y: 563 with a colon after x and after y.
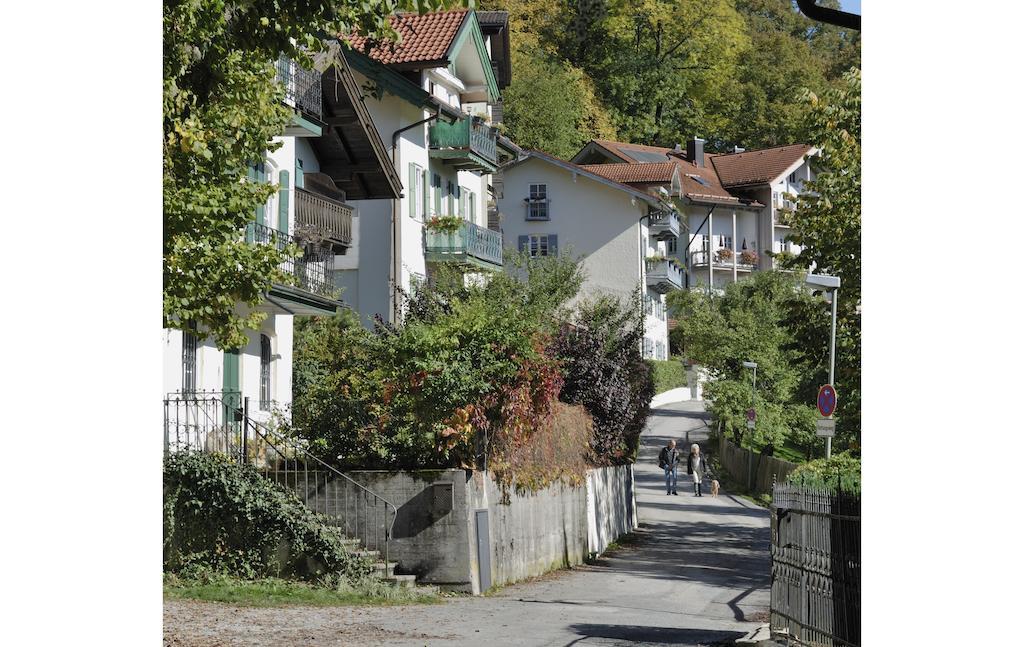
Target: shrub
x: 841, y: 472
x: 604, y: 371
x: 559, y: 450
x: 667, y: 374
x: 220, y: 517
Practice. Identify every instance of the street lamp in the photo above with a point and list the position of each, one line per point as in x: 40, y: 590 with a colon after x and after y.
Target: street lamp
x: 829, y: 284
x: 753, y: 388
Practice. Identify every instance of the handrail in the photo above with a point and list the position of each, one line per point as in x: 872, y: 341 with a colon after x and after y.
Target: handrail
x: 206, y: 417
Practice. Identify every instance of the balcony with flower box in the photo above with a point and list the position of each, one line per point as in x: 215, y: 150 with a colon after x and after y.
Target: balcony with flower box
x: 723, y: 259
x: 664, y: 274
x: 309, y: 287
x: 453, y: 240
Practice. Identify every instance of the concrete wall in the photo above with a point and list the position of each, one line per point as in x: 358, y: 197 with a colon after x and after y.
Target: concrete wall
x: 435, y: 532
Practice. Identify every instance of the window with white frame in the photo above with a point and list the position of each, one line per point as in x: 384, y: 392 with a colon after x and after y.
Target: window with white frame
x: 670, y: 246
x: 539, y: 244
x: 265, y: 359
x: 648, y: 348
x: 537, y: 203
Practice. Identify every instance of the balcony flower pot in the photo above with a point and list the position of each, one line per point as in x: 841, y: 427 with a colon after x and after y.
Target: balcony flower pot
x: 723, y: 255
x: 748, y: 257
x: 444, y: 224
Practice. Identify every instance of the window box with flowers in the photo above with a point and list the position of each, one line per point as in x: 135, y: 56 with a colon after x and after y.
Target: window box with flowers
x: 748, y: 257
x: 444, y: 224
x: 723, y: 255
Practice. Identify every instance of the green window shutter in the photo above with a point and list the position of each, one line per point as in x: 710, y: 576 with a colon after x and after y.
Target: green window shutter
x: 437, y: 194
x: 411, y: 193
x: 472, y: 206
x: 282, y: 202
x: 426, y: 199
x: 261, y: 177
x: 299, y: 180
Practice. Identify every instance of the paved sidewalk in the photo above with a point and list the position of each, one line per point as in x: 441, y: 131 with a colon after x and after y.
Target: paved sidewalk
x: 698, y: 574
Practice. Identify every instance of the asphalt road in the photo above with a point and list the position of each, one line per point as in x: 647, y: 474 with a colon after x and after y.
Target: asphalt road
x: 696, y: 574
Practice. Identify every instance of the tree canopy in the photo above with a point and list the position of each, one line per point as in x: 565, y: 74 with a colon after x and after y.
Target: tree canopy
x: 221, y: 110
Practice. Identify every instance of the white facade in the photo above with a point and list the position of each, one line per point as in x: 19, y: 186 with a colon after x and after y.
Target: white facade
x: 599, y: 220
x: 431, y: 187
x: 208, y: 364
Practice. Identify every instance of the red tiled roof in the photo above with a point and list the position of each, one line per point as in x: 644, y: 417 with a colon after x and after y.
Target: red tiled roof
x: 757, y: 167
x: 425, y: 38
x: 622, y: 149
x: 630, y: 173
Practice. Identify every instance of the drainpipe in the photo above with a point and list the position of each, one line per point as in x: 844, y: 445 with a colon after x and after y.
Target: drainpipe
x: 395, y: 270
x: 694, y: 237
x: 643, y: 281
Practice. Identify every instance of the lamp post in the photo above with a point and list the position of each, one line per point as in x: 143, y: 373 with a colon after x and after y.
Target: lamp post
x: 831, y: 285
x: 753, y: 386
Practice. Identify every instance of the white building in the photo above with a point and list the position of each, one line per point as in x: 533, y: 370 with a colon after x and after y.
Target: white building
x: 550, y: 205
x: 329, y: 153
x: 434, y: 106
x: 734, y: 205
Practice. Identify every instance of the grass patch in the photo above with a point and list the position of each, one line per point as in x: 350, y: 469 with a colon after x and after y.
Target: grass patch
x: 273, y: 592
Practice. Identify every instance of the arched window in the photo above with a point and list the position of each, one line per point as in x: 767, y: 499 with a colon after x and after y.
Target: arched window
x: 265, y: 358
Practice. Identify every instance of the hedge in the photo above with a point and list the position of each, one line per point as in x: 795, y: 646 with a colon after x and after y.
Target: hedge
x: 229, y: 519
x: 668, y: 374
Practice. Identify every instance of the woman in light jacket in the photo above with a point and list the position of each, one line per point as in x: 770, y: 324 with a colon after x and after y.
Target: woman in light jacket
x: 697, y: 467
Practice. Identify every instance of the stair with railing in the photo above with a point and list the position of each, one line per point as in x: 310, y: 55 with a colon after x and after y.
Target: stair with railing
x: 219, y: 422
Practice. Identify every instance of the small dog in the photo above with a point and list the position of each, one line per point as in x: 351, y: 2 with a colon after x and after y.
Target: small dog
x: 714, y: 487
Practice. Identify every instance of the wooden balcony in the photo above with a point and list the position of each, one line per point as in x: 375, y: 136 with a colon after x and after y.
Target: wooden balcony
x: 323, y: 217
x: 664, y: 275
x: 470, y: 245
x: 469, y: 144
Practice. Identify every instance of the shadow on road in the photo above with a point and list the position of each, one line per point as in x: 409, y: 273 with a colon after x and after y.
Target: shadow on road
x: 656, y: 635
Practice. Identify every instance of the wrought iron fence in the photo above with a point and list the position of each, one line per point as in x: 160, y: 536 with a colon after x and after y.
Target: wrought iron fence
x: 302, y: 87
x: 815, y: 597
x: 312, y: 270
x: 219, y: 422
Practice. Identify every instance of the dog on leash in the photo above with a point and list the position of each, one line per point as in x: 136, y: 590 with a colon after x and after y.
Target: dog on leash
x: 714, y: 487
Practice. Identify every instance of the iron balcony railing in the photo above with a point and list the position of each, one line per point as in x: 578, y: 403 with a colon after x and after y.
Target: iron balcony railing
x: 219, y: 422
x: 664, y: 224
x: 469, y: 134
x: 470, y: 243
x: 664, y: 275
x: 312, y: 271
x: 302, y: 87
x: 323, y: 216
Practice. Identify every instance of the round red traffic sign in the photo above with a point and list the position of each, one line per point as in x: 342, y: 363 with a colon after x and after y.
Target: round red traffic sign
x: 827, y: 400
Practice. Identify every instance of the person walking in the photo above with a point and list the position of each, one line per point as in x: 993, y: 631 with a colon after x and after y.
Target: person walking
x: 668, y: 459
x: 697, y: 467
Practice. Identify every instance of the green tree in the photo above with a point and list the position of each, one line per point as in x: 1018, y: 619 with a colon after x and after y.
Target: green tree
x: 827, y: 224
x: 221, y: 109
x: 752, y: 321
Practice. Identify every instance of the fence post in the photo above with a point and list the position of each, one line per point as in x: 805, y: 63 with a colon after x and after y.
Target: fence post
x: 750, y: 468
x: 245, y: 431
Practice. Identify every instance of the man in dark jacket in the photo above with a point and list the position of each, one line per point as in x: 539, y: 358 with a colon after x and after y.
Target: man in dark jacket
x: 668, y: 459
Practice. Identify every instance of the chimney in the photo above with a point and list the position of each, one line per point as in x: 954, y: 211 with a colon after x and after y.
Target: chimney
x: 695, y: 151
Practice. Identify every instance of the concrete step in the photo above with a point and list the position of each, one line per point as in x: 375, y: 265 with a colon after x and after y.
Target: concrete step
x: 384, y: 570
x: 371, y: 554
x: 402, y: 580
x: 759, y: 636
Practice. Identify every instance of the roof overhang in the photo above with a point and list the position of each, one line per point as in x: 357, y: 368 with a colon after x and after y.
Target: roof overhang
x: 350, y: 149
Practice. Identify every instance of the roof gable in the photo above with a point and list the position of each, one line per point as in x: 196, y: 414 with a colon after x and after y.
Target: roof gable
x: 760, y: 166
x: 574, y: 168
